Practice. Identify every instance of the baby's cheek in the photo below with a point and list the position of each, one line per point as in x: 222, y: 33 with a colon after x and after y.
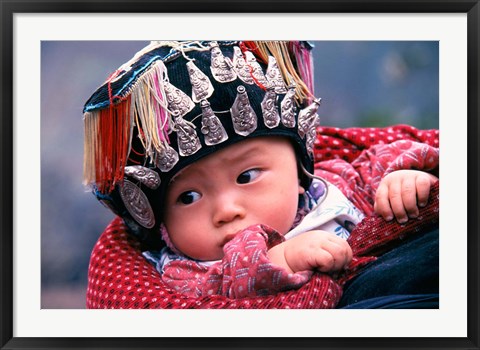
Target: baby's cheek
x: 283, y: 220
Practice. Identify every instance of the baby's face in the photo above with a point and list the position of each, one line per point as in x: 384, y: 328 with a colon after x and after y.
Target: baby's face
x: 251, y: 182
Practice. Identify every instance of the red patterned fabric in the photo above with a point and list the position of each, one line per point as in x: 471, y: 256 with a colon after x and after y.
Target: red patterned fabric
x: 119, y: 277
x: 359, y: 158
x: 374, y: 236
x: 353, y: 159
x: 348, y: 143
x: 244, y: 271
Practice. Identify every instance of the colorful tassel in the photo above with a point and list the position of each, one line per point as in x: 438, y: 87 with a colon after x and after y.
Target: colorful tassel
x: 280, y: 51
x: 150, y: 109
x: 107, y: 141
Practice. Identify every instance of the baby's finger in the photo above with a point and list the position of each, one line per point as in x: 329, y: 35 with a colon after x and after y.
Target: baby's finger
x: 340, y: 251
x: 396, y: 202
x: 324, y: 261
x: 409, y: 196
x: 423, y: 189
x: 382, y: 203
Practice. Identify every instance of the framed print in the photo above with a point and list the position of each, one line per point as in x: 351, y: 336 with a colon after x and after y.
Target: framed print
x: 65, y: 284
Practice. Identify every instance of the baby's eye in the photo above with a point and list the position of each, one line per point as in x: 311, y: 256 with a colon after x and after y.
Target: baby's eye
x: 189, y: 197
x: 248, y: 176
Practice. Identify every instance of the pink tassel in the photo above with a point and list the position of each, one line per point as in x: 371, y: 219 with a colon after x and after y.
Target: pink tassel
x: 304, y: 60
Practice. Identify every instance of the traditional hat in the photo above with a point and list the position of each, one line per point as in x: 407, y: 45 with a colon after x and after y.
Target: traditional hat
x: 175, y: 102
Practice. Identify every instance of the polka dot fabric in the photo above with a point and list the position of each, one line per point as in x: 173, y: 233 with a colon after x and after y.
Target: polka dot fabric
x: 348, y: 143
x: 120, y: 278
x: 353, y: 159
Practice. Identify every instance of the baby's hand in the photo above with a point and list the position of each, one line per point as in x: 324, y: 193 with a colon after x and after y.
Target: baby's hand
x: 401, y: 193
x: 312, y: 250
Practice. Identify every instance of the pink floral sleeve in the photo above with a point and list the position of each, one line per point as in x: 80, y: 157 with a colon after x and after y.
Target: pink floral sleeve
x: 245, y: 270
x: 359, y: 180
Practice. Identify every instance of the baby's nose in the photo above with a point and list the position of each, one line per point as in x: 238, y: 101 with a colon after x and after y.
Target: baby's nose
x: 228, y: 210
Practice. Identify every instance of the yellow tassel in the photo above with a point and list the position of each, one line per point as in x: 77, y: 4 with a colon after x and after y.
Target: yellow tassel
x: 90, y: 122
x: 150, y: 112
x: 280, y: 50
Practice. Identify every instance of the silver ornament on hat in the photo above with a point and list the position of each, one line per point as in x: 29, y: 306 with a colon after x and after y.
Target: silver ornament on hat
x: 271, y: 118
x: 243, y: 116
x: 221, y: 66
x: 187, y: 139
x: 240, y: 66
x: 274, y: 76
x: 307, y: 117
x: 312, y: 135
x: 146, y: 176
x: 288, y: 107
x: 137, y: 204
x: 256, y: 69
x: 166, y: 158
x: 202, y: 88
x: 212, y: 128
x: 179, y: 103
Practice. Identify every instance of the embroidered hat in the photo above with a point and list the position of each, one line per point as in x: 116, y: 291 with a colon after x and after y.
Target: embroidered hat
x: 175, y: 102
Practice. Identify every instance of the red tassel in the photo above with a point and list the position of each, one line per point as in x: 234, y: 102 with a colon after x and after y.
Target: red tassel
x: 114, y: 139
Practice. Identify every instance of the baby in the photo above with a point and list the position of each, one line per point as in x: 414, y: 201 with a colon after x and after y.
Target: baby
x: 256, y: 181
x: 212, y: 167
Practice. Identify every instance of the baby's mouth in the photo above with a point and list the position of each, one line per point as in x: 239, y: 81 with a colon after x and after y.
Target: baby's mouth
x: 229, y: 236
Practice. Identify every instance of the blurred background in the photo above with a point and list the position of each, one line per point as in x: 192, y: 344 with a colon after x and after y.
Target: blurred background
x: 361, y: 83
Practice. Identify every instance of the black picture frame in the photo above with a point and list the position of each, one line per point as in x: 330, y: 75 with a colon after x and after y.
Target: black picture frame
x: 10, y: 7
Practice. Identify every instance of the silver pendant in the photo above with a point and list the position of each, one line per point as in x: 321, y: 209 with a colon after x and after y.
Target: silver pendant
x: 240, y: 66
x: 287, y: 108
x: 307, y: 116
x: 256, y: 70
x: 187, y: 139
x: 179, y: 103
x: 146, y: 176
x: 137, y: 204
x: 243, y: 116
x: 274, y: 76
x: 312, y: 135
x: 271, y: 118
x: 202, y: 88
x: 221, y: 66
x: 166, y: 159
x: 212, y: 128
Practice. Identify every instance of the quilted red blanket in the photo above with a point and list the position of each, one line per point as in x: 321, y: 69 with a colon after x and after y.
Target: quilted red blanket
x: 353, y: 159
